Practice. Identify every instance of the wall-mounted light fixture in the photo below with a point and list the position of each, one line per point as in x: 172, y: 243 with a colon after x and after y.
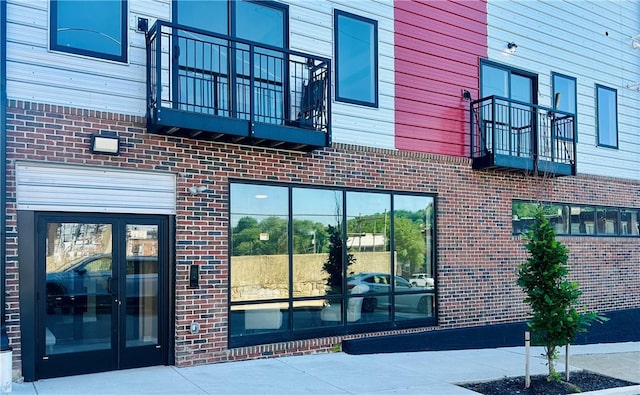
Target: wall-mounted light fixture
x: 194, y: 190
x: 511, y: 47
x: 635, y: 42
x: 105, y: 143
x: 466, y: 95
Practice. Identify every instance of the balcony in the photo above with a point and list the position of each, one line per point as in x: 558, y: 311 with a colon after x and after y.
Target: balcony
x: 513, y: 136
x: 215, y: 87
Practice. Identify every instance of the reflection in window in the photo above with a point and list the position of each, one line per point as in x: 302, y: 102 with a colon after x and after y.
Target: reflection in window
x: 583, y: 220
x: 607, y: 116
x: 317, y: 255
x: 356, y: 50
x: 326, y: 279
x: 608, y: 221
x: 93, y: 28
x: 630, y: 222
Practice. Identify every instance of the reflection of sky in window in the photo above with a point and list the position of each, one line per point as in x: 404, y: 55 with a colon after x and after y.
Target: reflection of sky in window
x: 258, y: 201
x: 567, y: 89
x: 260, y: 23
x: 606, y: 117
x: 494, y: 81
x: 90, y: 25
x: 411, y: 203
x: 323, y: 206
x: 356, y: 59
x: 205, y: 15
x: 366, y: 203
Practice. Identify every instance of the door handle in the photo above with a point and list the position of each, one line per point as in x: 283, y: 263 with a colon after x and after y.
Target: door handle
x: 110, y: 281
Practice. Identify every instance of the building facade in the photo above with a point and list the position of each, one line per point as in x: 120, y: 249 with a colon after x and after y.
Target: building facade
x: 187, y: 186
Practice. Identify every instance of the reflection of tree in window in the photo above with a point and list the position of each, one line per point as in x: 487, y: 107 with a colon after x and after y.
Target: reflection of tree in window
x: 267, y: 237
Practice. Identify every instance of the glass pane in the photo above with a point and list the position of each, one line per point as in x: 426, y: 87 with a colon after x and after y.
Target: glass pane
x: 202, y: 14
x: 369, y: 266
x: 558, y: 216
x: 564, y: 94
x: 607, y: 127
x: 142, y: 285
x: 630, y: 222
x: 495, y: 81
x: 90, y: 25
x: 258, y: 318
x: 583, y: 220
x: 78, y: 280
x: 608, y: 221
x: 356, y: 59
x: 259, y: 242
x: 317, y: 253
x: 270, y: 28
x: 413, y: 240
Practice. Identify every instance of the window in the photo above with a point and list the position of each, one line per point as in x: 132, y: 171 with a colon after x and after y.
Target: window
x: 318, y: 261
x: 356, y: 53
x: 607, y: 116
x: 564, y: 99
x: 578, y: 220
x: 92, y: 28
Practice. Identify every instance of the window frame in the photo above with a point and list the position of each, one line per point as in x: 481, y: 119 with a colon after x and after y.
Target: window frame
x: 291, y: 333
x: 598, y: 89
x: 596, y: 209
x: 336, y: 42
x: 575, y: 99
x: 124, y: 26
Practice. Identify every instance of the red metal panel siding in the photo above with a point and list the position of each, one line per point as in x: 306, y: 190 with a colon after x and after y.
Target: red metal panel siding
x: 437, y: 46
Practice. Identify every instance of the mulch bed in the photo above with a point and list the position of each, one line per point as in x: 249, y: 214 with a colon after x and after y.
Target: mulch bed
x: 578, y: 382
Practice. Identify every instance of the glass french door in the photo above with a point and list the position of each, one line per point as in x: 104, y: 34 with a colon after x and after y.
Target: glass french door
x: 514, y: 119
x: 104, y: 281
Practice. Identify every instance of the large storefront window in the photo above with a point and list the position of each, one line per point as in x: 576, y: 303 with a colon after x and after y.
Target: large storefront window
x: 309, y: 262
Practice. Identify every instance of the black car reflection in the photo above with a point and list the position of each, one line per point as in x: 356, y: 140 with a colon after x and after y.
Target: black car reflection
x: 90, y: 284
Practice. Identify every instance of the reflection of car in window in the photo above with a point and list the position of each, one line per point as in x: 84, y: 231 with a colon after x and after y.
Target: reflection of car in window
x: 421, y: 280
x: 381, y: 283
x: 90, y: 280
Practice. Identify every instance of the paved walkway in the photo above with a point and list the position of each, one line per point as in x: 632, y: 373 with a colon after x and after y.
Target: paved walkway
x: 428, y: 372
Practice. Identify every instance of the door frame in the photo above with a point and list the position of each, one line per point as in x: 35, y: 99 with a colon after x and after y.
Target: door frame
x: 30, y: 287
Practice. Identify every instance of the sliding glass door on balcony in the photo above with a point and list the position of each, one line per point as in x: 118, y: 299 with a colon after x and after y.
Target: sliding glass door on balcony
x: 214, y: 75
x: 514, y: 122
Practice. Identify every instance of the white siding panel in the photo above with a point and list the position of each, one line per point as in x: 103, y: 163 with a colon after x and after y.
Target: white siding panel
x: 36, y: 73
x: 49, y: 187
x: 589, y: 40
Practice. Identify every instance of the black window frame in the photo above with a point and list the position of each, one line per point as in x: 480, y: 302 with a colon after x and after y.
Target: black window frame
x: 336, y: 42
x: 575, y: 99
x: 598, y: 88
x: 250, y: 339
x: 596, y: 209
x: 124, y: 26
x: 511, y: 71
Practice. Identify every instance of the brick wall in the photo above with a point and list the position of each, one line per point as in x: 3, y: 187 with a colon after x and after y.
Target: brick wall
x: 477, y: 253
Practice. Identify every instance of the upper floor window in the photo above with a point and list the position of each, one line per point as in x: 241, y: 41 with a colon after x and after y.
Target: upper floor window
x: 93, y: 28
x: 607, y: 116
x: 564, y: 98
x: 356, y: 53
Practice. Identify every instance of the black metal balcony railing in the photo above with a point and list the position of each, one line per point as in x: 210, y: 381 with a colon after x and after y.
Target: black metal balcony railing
x: 516, y: 135
x: 216, y: 87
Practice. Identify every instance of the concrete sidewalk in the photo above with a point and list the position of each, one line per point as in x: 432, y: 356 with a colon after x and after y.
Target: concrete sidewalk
x: 427, y: 372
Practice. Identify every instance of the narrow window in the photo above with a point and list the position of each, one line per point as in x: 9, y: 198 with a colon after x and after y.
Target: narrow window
x: 564, y: 99
x: 356, y: 52
x: 607, y: 116
x: 92, y: 28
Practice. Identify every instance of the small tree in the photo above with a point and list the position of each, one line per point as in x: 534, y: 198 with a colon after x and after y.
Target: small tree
x: 333, y: 265
x: 555, y: 322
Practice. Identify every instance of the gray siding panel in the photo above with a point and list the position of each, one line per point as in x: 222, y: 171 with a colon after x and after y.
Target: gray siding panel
x: 51, y: 187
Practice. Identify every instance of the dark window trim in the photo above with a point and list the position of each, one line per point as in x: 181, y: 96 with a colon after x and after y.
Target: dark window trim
x: 336, y: 43
x: 615, y: 91
x: 231, y: 15
x: 345, y: 328
x: 595, y: 207
x: 53, y: 42
x: 511, y: 70
x: 575, y: 98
